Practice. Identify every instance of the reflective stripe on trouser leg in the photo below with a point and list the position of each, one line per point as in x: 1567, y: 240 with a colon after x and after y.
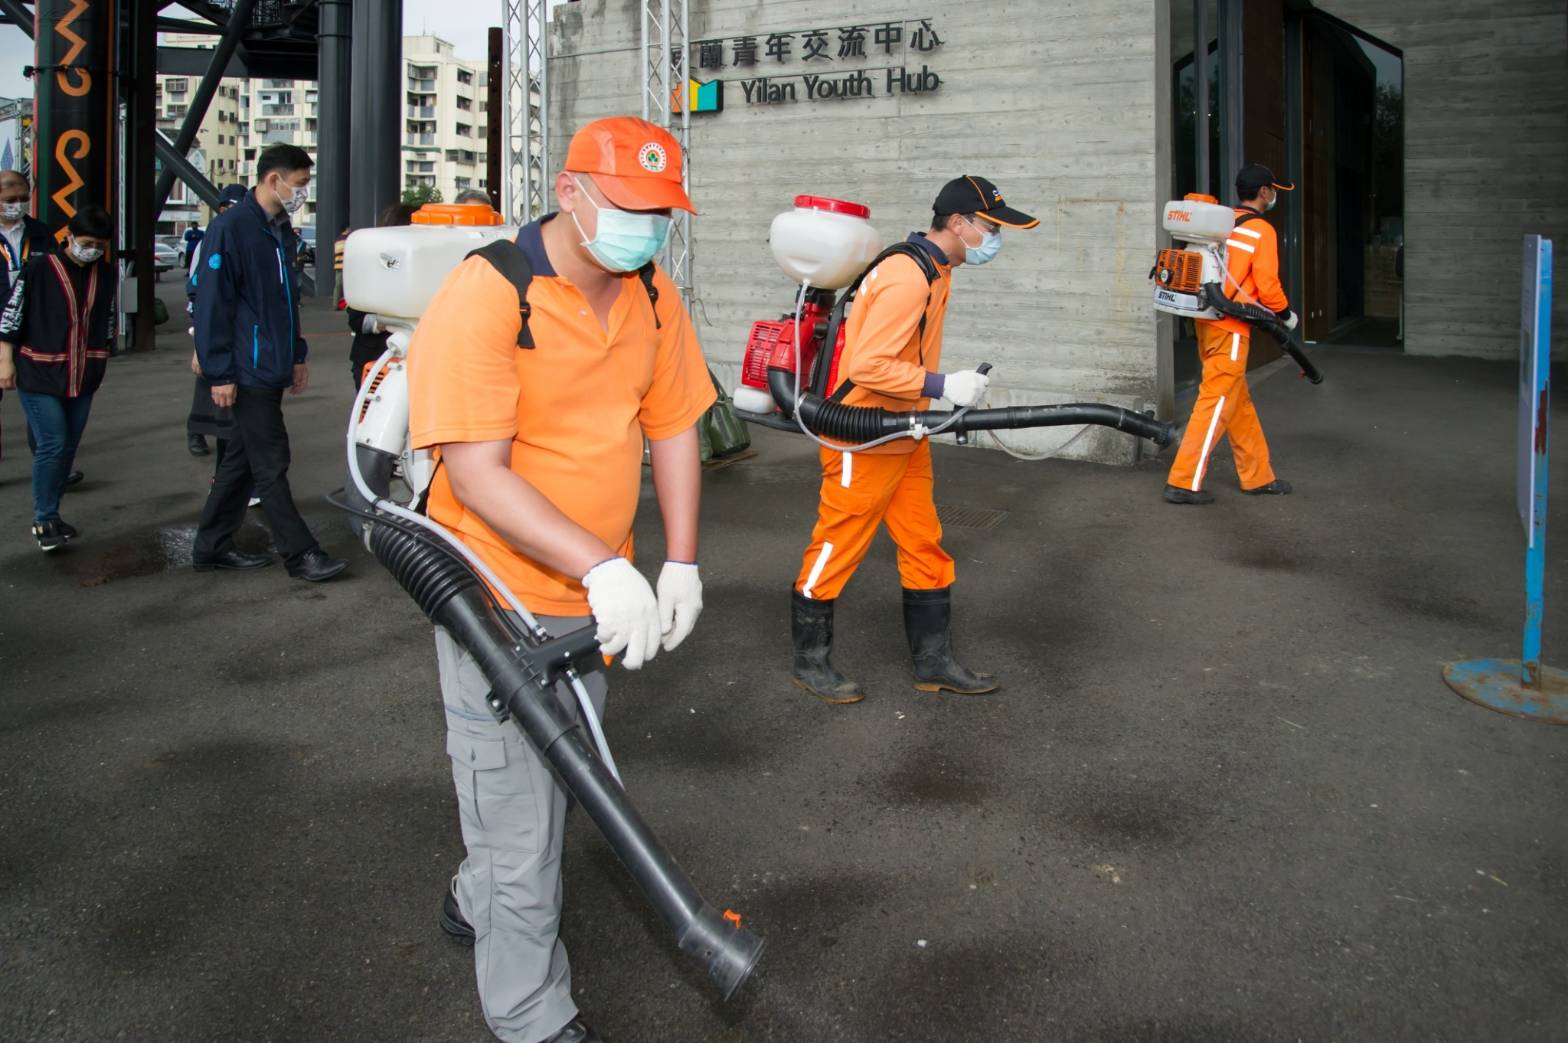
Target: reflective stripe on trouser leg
x: 1218, y: 397
x: 512, y: 813
x: 912, y: 522
x: 848, y: 515
x: 1208, y: 445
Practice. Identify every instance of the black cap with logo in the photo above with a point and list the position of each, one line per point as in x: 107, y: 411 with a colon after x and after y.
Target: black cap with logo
x: 972, y: 194
x: 1254, y: 178
x: 231, y: 194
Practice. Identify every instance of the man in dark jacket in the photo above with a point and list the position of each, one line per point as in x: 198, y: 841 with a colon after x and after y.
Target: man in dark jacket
x: 251, y: 350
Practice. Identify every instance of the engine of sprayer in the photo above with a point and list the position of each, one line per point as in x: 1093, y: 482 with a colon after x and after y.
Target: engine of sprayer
x: 1181, y: 273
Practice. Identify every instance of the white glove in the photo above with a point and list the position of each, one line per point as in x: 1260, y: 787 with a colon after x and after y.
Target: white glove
x: 370, y: 326
x: 1291, y: 321
x: 965, y: 387
x: 623, y: 605
x: 680, y: 601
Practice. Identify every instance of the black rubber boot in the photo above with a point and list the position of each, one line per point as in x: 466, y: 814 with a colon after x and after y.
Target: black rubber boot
x: 811, y: 627
x: 928, y: 620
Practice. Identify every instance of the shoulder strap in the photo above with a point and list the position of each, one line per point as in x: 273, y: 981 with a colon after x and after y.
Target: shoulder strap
x: 922, y: 257
x: 505, y: 257
x: 645, y: 273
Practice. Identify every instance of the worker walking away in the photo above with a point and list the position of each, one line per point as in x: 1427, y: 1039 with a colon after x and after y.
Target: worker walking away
x: 892, y: 358
x: 1224, y: 406
x: 535, y: 374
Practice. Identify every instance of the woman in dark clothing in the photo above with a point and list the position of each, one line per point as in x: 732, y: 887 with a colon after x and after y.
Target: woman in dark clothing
x: 54, y: 348
x: 370, y: 337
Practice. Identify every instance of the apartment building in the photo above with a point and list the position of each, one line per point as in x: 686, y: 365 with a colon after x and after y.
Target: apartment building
x: 443, y: 131
x: 216, y: 151
x: 444, y: 119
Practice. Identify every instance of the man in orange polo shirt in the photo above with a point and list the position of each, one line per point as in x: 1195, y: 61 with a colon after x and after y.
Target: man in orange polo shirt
x: 893, y: 356
x: 1224, y: 405
x: 540, y: 467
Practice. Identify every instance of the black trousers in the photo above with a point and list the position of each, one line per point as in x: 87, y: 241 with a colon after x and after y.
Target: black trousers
x: 255, y: 456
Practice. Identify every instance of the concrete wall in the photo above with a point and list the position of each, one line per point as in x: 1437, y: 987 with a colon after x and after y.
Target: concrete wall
x: 1486, y: 147
x: 1055, y: 101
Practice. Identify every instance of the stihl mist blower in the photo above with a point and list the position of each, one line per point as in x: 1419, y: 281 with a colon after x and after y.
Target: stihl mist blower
x: 393, y: 273
x: 1190, y: 281
x: 790, y: 376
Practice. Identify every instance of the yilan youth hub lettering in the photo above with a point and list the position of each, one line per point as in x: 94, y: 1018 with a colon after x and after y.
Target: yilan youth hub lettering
x: 814, y: 65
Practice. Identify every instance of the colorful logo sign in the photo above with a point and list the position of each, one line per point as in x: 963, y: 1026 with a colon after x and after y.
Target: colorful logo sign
x: 700, y: 96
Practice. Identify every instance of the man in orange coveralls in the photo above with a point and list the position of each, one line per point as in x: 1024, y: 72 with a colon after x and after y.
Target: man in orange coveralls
x: 892, y: 356
x: 1224, y: 405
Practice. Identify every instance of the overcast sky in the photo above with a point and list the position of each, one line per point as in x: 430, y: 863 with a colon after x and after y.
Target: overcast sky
x: 463, y: 22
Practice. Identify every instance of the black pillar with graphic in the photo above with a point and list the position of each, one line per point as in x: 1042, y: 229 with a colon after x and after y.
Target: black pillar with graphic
x: 74, y: 150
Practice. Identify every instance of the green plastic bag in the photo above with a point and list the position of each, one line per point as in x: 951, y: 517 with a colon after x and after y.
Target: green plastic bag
x: 721, y: 432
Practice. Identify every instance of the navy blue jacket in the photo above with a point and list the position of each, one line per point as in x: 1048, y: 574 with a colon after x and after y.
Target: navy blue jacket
x: 247, y: 306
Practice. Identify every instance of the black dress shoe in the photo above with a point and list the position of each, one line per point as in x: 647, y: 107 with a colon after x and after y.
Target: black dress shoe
x: 197, y: 444
x: 451, y: 918
x: 1176, y: 495
x: 315, y: 566
x: 1278, y: 487
x: 233, y: 558
x: 73, y: 478
x: 575, y: 1031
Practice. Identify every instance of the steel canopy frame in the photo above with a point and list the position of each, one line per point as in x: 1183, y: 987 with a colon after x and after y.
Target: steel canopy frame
x: 665, y: 68
x: 525, y: 110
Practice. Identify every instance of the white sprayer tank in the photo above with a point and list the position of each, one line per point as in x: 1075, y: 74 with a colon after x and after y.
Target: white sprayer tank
x: 393, y: 273
x: 1194, y: 221
x: 824, y: 242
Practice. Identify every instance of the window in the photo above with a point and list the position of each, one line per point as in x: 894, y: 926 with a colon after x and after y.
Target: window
x: 465, y: 104
x: 462, y: 183
x: 178, y: 86
x: 464, y: 77
x: 463, y: 129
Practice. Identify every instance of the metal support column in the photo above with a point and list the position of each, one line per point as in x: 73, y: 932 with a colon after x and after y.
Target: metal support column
x: 665, y: 65
x: 526, y: 189
x: 332, y: 154
x: 1294, y: 253
x: 176, y: 162
x: 1200, y: 90
x: 138, y: 171
x: 239, y: 21
x: 1232, y: 145
x: 376, y: 136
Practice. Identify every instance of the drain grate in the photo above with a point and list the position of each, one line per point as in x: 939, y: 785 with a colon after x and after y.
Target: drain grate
x: 962, y: 517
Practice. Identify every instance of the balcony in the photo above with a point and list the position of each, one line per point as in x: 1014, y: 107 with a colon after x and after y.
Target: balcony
x: 277, y: 110
x: 426, y: 112
x: 420, y: 140
x: 421, y: 86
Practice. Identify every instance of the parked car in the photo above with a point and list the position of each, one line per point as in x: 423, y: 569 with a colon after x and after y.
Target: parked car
x: 307, y: 246
x: 164, y: 258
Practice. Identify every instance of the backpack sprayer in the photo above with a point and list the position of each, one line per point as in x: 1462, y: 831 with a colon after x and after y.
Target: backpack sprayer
x: 826, y: 245
x: 1190, y: 281
x: 393, y: 273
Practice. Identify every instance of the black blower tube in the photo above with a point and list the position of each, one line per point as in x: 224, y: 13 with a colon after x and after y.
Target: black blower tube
x: 856, y: 424
x: 521, y: 674
x: 1257, y: 315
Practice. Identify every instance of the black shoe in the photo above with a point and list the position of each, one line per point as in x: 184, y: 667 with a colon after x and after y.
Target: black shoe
x: 452, y: 921
x: 197, y: 444
x: 928, y: 622
x: 575, y: 1031
x: 73, y: 478
x: 811, y: 628
x: 1278, y: 487
x: 233, y: 558
x: 49, y: 536
x: 1175, y: 495
x: 67, y: 529
x: 316, y: 567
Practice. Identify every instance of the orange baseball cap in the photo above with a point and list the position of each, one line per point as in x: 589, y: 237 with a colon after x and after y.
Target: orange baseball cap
x: 636, y: 163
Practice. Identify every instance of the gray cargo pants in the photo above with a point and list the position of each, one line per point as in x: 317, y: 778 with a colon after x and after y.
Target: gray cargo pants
x: 512, y: 812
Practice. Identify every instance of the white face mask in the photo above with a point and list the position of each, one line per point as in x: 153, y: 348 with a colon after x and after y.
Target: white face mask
x: 295, y: 199
x: 85, y: 254
x: 11, y: 213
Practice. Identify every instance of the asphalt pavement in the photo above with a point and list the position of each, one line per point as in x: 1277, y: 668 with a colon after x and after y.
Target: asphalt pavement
x: 1223, y: 794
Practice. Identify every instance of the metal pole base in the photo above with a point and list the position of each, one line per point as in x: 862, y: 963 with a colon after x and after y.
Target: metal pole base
x: 1497, y: 685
